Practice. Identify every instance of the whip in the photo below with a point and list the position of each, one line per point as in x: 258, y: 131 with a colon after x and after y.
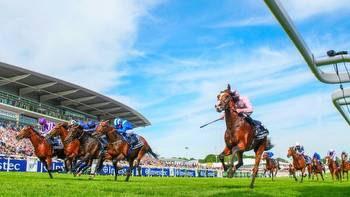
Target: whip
x: 211, y: 122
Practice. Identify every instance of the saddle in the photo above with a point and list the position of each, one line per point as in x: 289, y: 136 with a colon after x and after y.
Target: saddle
x: 260, y: 131
x: 133, y: 140
x: 307, y: 160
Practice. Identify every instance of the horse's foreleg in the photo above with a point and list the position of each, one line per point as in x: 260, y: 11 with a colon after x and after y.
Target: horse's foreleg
x: 271, y: 172
x: 115, y: 164
x: 302, y: 175
x: 258, y: 154
x: 47, y: 163
x: 131, y: 163
x: 295, y: 178
x: 276, y: 172
x: 222, y: 155
x: 232, y: 168
x: 239, y: 159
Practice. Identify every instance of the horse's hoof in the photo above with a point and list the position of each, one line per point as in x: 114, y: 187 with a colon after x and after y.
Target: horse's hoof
x: 251, y: 186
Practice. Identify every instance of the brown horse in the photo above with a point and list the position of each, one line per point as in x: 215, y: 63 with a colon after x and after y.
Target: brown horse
x: 71, y: 150
x: 345, y: 165
x: 89, y: 146
x: 239, y: 136
x: 118, y: 149
x: 298, y: 163
x: 317, y: 168
x: 42, y: 149
x: 272, y: 165
x: 333, y: 168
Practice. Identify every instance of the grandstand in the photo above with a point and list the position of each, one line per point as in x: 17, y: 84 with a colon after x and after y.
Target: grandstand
x: 26, y: 96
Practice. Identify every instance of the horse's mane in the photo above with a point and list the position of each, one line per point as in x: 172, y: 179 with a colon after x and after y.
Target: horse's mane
x: 63, y: 124
x: 36, y: 132
x: 115, y: 132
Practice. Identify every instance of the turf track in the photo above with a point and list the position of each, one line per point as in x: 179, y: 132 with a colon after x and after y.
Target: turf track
x: 36, y: 184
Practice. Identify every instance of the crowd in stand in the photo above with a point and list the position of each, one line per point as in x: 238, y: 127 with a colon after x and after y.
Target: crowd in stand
x: 8, y: 143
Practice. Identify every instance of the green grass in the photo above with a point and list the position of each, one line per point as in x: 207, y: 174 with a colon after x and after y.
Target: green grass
x: 37, y: 184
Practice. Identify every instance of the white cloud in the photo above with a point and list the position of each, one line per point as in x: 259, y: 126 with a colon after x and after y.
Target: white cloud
x: 300, y: 9
x: 72, y: 40
x: 245, y: 22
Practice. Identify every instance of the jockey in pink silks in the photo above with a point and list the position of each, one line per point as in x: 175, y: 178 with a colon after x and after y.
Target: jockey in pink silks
x: 245, y: 109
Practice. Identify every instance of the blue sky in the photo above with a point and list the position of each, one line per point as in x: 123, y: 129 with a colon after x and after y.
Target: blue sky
x: 169, y: 60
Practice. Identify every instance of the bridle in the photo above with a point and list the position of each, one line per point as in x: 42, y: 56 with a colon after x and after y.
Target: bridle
x: 226, y: 102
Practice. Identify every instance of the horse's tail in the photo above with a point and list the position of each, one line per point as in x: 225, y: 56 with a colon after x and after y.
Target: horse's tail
x: 269, y: 145
x: 148, y: 148
x: 150, y: 151
x: 278, y: 165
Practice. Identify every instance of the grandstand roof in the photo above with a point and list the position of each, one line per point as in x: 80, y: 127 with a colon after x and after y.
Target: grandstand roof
x: 65, y: 94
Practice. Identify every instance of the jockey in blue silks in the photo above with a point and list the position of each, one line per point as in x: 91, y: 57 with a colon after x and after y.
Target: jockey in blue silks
x: 124, y: 127
x: 90, y: 127
x: 300, y: 150
x: 269, y: 154
x: 317, y: 157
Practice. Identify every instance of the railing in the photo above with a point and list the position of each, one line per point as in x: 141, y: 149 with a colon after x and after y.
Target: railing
x: 314, y: 63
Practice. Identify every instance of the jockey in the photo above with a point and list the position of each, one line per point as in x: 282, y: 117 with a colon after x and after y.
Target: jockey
x: 46, y: 127
x: 300, y: 150
x: 331, y: 154
x: 345, y: 154
x: 243, y: 105
x: 90, y: 127
x: 245, y: 109
x: 317, y: 157
x: 124, y: 127
x: 269, y: 154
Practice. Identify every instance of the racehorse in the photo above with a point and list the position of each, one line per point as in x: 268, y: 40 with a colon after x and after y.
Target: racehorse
x: 272, y: 165
x: 317, y: 168
x: 239, y: 136
x: 118, y: 149
x: 333, y: 168
x: 42, y: 149
x: 299, y: 163
x: 345, y: 165
x: 89, y: 149
x: 71, y: 150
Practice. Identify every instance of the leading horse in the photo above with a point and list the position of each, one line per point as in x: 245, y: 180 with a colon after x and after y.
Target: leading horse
x: 239, y: 136
x: 71, y: 149
x: 118, y: 149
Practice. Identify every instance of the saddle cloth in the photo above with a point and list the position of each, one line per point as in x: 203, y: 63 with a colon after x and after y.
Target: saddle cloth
x: 260, y: 131
x: 134, y: 141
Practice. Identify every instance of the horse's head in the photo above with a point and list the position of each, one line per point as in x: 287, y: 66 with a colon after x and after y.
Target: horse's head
x: 57, y: 129
x: 328, y: 160
x: 25, y: 132
x: 264, y: 156
x: 223, y: 99
x: 291, y: 151
x: 74, y: 132
x: 102, y: 128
